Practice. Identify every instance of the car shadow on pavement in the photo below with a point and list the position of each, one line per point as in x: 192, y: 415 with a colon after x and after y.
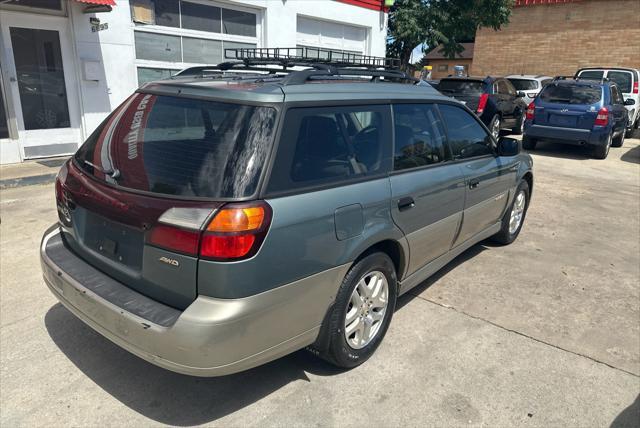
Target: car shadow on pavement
x: 629, y: 417
x: 564, y: 151
x: 168, y: 397
x: 462, y: 258
x: 632, y: 155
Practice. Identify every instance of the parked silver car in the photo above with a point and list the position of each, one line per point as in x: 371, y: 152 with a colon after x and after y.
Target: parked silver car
x: 530, y: 85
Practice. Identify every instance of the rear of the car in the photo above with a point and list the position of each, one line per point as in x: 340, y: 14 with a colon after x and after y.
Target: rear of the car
x: 627, y: 80
x: 530, y: 86
x: 570, y: 112
x: 475, y: 93
x: 164, y: 192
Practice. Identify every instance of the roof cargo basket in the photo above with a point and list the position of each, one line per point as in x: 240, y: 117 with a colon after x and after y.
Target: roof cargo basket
x: 301, y: 56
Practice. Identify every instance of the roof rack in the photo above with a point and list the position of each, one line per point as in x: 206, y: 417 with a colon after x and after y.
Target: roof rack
x: 315, y: 63
x: 301, y: 56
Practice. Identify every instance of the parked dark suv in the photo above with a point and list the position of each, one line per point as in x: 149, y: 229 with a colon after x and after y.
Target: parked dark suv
x: 216, y: 222
x: 494, y: 99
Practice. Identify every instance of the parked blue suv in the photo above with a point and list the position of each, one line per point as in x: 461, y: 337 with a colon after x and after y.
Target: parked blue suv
x: 577, y: 112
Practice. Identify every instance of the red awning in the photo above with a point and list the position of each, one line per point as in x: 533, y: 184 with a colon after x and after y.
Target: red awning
x: 100, y: 2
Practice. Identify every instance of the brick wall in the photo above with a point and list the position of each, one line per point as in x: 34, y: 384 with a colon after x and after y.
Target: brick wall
x: 557, y: 39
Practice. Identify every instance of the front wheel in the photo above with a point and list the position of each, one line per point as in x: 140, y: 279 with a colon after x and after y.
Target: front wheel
x: 514, y: 217
x: 362, y: 311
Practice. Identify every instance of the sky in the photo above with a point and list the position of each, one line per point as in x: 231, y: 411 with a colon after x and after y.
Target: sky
x: 417, y: 54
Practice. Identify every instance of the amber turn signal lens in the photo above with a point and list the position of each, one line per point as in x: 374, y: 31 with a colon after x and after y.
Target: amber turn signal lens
x: 237, y: 220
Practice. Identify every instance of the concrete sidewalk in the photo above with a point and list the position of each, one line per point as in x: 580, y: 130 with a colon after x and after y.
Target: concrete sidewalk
x: 30, y: 172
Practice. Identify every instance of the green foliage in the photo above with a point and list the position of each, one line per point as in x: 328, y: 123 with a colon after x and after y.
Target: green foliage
x: 441, y: 22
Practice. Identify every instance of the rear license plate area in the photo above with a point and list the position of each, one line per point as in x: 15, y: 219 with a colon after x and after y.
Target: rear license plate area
x: 114, y: 241
x: 562, y: 120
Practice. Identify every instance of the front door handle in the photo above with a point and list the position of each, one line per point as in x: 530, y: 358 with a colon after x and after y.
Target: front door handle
x: 474, y: 183
x: 406, y: 203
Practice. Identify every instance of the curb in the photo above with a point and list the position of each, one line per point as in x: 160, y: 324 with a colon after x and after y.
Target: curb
x: 11, y: 183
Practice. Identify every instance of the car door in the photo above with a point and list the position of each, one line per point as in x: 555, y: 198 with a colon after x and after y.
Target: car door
x: 427, y: 188
x: 488, y: 177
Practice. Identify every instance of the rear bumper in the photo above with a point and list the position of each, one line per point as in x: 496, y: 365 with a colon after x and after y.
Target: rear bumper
x: 211, y: 337
x: 572, y: 136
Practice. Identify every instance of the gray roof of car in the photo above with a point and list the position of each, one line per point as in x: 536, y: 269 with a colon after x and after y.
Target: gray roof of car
x: 273, y: 92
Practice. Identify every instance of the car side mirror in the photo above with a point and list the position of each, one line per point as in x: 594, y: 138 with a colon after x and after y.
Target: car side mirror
x: 520, y: 94
x: 508, y: 146
x: 629, y: 102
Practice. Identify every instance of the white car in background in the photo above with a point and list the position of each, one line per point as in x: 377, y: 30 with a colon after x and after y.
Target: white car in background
x: 530, y: 85
x: 627, y: 80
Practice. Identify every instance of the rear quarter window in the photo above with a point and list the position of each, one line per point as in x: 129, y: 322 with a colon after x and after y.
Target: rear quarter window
x: 323, y: 146
x: 182, y: 147
x: 568, y: 94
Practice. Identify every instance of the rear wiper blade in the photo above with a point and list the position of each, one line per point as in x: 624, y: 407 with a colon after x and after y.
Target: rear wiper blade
x: 113, y: 173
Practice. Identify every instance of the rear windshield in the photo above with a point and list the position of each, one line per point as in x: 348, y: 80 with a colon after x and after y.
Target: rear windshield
x: 459, y: 86
x: 623, y: 79
x: 524, y: 84
x: 592, y: 74
x: 567, y: 94
x: 182, y: 147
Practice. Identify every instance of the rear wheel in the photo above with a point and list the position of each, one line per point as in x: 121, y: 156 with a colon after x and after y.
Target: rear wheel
x: 529, y: 143
x: 514, y: 217
x: 619, y: 140
x: 362, y: 311
x: 494, y: 126
x: 602, y: 151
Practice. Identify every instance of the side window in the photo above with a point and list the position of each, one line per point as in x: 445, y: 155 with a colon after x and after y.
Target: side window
x: 615, y: 94
x: 466, y: 137
x: 325, y: 145
x: 419, y: 136
x: 509, y: 87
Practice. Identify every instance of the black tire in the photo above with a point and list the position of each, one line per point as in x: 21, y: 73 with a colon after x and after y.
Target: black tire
x: 495, y: 126
x: 505, y: 236
x: 529, y: 143
x: 619, y: 140
x: 519, y: 129
x: 602, y: 151
x: 338, y: 351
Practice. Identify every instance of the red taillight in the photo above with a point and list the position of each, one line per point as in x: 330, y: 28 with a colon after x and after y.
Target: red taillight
x: 175, y: 239
x: 58, y: 190
x: 531, y: 111
x: 635, y: 87
x: 602, y: 119
x: 482, y: 103
x: 236, y: 231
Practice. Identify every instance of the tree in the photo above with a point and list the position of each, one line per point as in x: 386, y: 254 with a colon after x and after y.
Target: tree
x: 441, y: 22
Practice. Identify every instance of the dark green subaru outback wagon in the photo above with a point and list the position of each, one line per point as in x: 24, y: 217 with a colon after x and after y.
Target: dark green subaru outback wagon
x: 233, y: 214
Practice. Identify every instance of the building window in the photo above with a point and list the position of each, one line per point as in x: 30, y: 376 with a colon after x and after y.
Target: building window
x: 171, y: 35
x: 443, y: 67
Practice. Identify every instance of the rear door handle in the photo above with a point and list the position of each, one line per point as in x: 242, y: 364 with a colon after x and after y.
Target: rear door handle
x: 474, y: 183
x: 406, y: 203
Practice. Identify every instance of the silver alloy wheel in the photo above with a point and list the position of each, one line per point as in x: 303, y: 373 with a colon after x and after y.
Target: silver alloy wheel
x: 609, y: 140
x: 366, y: 310
x: 517, y: 212
x: 522, y: 120
x: 495, y: 128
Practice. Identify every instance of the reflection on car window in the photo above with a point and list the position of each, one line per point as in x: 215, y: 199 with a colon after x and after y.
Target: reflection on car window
x: 419, y: 136
x: 571, y: 94
x: 323, y: 145
x: 524, y: 84
x: 180, y: 146
x: 466, y: 137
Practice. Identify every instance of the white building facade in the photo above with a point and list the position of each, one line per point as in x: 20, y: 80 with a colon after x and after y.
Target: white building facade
x: 66, y: 64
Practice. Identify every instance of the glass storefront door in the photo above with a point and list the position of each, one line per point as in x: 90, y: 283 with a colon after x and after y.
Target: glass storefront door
x: 41, y: 83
